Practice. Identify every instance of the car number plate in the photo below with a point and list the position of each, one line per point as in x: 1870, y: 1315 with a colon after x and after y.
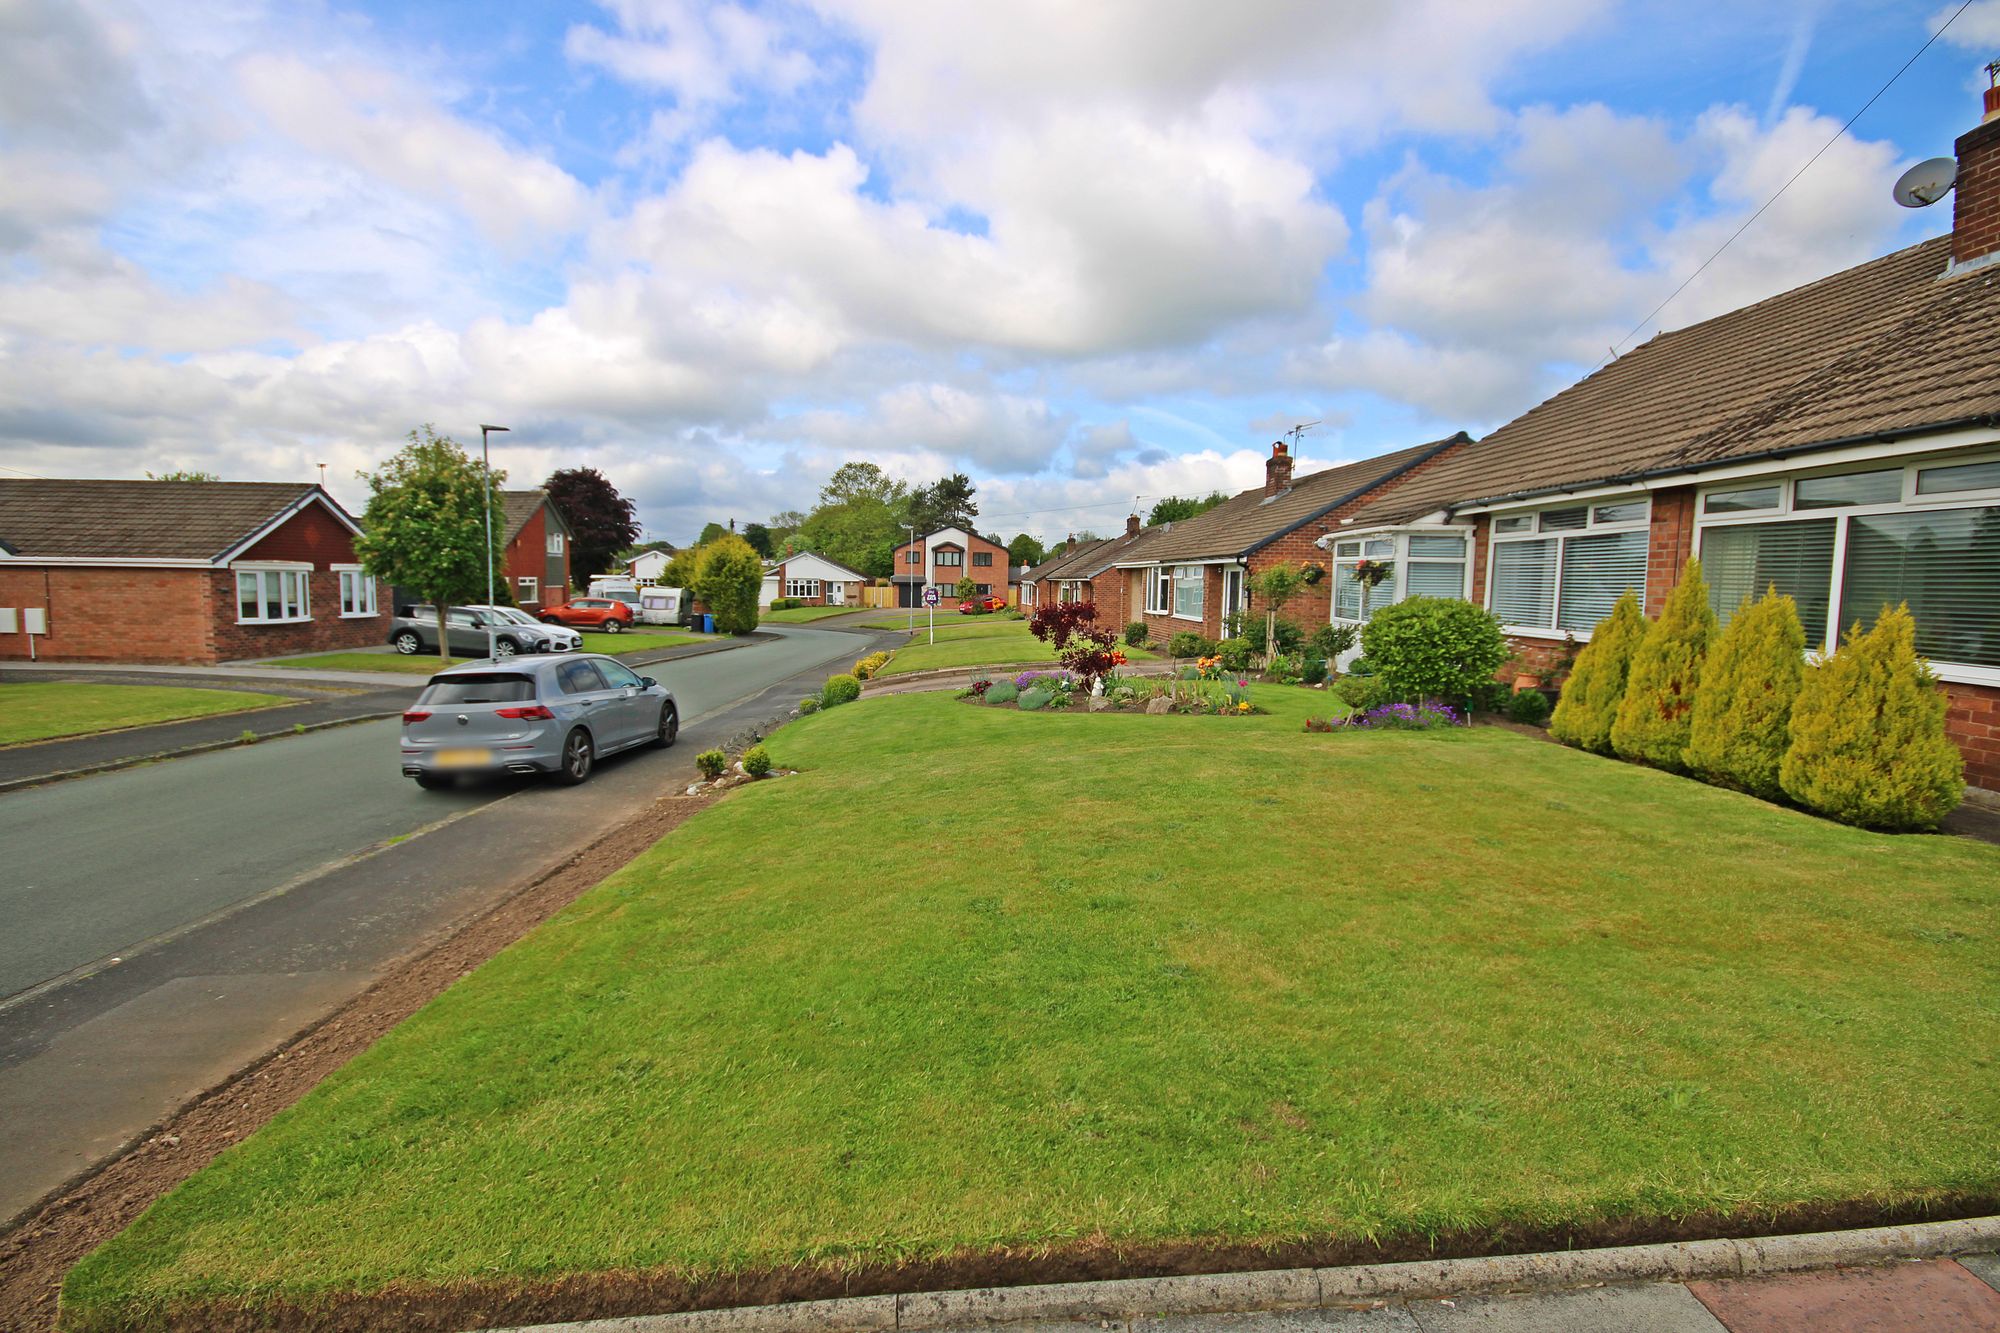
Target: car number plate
x: 463, y: 758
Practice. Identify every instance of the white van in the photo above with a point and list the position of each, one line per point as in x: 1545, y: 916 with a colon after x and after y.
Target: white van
x: 663, y: 606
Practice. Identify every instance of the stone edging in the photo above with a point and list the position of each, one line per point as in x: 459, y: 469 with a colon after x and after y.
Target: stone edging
x: 1310, y: 1288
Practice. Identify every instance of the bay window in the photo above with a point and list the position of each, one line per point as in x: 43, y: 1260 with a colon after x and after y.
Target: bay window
x: 1560, y: 570
x: 1846, y: 545
x: 1187, y: 592
x: 273, y: 596
x: 1397, y: 565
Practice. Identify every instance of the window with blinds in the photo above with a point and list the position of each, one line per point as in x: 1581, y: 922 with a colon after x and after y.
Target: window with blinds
x: 1795, y: 558
x: 1596, y: 571
x: 1945, y: 564
x: 1524, y: 582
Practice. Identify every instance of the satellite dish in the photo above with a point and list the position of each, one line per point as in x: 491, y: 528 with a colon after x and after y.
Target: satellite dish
x: 1926, y: 183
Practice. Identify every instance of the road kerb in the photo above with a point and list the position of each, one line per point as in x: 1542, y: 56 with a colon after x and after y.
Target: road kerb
x: 205, y: 747
x: 1305, y: 1288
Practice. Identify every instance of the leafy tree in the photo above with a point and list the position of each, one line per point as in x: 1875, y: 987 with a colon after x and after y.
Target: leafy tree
x: 966, y: 588
x: 1741, y: 726
x: 861, y: 481
x: 1658, y: 707
x: 759, y: 538
x: 1174, y: 508
x: 1433, y: 648
x: 1868, y: 743
x: 1025, y: 550
x: 710, y: 533
x: 857, y: 521
x: 1596, y: 685
x: 679, y: 571
x: 728, y: 577
x: 601, y: 521
x: 425, y: 525
x: 183, y: 474
x: 1276, y: 586
x: 945, y: 503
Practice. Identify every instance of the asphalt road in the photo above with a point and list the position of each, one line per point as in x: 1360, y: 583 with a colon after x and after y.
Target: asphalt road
x: 246, y: 892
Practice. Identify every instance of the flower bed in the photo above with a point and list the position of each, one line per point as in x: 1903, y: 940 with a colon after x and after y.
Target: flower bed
x: 1036, y: 691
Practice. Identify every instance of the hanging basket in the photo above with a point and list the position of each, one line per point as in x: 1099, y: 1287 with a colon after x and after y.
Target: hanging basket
x: 1312, y: 574
x: 1369, y: 573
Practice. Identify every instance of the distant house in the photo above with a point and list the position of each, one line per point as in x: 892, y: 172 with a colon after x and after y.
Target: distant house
x: 648, y: 566
x: 940, y: 559
x: 813, y: 579
x: 537, y: 562
x: 180, y: 571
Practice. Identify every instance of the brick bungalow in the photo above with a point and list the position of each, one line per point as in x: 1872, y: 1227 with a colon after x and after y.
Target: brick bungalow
x: 537, y: 562
x: 813, y: 579
x: 940, y: 559
x: 1840, y: 441
x: 1192, y: 574
x: 180, y: 571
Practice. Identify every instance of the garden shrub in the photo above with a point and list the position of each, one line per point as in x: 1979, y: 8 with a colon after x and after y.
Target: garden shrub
x: 1491, y: 696
x: 1314, y: 672
x: 1288, y: 637
x: 1359, y: 692
x: 1651, y: 725
x: 711, y: 763
x: 756, y: 761
x: 1596, y: 685
x: 1035, y: 697
x: 868, y: 666
x: 809, y: 704
x: 1330, y: 641
x: 1187, y: 643
x: 978, y: 688
x: 1235, y: 654
x: 839, y: 690
x: 1136, y: 634
x: 1530, y: 707
x: 1002, y: 692
x: 1399, y: 716
x: 1868, y: 744
x: 728, y: 576
x: 1433, y: 647
x: 1743, y: 712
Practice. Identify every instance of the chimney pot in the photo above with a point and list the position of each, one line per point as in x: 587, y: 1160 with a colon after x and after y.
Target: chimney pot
x: 1277, y: 469
x: 1131, y: 525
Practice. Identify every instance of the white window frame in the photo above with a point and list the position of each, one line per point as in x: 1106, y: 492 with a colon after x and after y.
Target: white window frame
x: 353, y: 577
x: 1159, y: 594
x: 527, y: 588
x: 1561, y: 537
x: 1198, y: 575
x: 802, y: 588
x: 1399, y: 556
x: 294, y: 573
x: 1786, y: 511
x: 555, y: 542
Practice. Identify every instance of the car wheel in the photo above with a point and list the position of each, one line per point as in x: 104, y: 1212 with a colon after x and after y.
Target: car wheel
x: 670, y: 727
x: 437, y: 781
x: 408, y: 643
x: 503, y: 648
x: 613, y: 627
x: 577, y: 758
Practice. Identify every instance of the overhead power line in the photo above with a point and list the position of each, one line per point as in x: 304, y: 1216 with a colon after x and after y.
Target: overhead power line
x: 1903, y: 69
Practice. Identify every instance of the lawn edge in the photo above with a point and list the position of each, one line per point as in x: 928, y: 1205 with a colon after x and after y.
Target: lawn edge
x: 1024, y: 1282
x: 277, y: 701
x: 203, y: 747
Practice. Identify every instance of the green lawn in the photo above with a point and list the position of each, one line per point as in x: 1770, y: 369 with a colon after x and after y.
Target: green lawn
x: 1290, y: 986
x: 982, y: 642
x: 419, y: 664
x: 639, y: 641
x: 44, y: 710
x: 803, y: 615
x: 947, y: 617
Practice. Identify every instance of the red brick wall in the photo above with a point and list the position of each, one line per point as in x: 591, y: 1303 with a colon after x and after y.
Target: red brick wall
x: 110, y: 615
x: 1975, y: 205
x: 527, y: 558
x: 1671, y: 543
x: 311, y: 535
x: 327, y: 631
x: 1973, y: 722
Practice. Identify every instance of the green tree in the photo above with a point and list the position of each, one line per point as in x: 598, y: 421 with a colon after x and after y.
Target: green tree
x: 1175, y: 508
x: 679, y: 571
x: 1868, y: 744
x: 1274, y: 587
x: 966, y: 588
x: 1596, y: 685
x: 711, y: 532
x: 601, y: 521
x: 1741, y: 726
x: 861, y: 481
x: 759, y: 538
x: 728, y: 577
x: 945, y: 503
x: 425, y: 526
x: 1025, y: 550
x: 1658, y: 707
x: 1433, y: 648
x: 858, y: 520
x: 183, y: 474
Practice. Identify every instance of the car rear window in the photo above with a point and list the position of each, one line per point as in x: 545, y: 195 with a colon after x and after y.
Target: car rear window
x: 486, y: 688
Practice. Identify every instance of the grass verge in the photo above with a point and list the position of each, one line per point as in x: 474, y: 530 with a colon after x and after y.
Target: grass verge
x: 417, y: 664
x: 49, y: 710
x: 805, y: 615
x: 639, y: 641
x: 1368, y: 987
x: 999, y: 643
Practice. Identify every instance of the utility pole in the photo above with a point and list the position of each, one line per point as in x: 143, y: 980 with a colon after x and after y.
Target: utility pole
x: 486, y: 482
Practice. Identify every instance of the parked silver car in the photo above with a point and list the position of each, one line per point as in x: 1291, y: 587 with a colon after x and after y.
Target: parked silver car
x: 415, y: 630
x: 547, y: 713
x: 561, y: 638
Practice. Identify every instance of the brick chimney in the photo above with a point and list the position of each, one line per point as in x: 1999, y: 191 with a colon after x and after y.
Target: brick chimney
x: 1131, y: 525
x: 1975, y: 199
x: 1278, y: 469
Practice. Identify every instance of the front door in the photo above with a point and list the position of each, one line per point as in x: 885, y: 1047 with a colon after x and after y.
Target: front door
x: 836, y: 594
x: 1232, y: 596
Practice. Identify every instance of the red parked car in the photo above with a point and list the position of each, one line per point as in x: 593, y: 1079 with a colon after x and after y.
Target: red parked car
x: 979, y: 606
x: 605, y: 613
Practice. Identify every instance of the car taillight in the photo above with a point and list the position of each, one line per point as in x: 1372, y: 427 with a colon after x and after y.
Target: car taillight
x: 532, y: 713
x: 415, y: 715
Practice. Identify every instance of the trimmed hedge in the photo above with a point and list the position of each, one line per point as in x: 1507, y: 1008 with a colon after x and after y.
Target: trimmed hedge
x: 1433, y: 648
x: 1654, y: 717
x: 1596, y: 684
x: 839, y: 690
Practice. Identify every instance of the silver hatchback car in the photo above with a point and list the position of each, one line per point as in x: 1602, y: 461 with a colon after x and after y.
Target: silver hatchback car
x: 534, y: 713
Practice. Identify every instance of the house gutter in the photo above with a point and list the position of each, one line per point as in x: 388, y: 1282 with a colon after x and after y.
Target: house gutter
x: 1986, y: 420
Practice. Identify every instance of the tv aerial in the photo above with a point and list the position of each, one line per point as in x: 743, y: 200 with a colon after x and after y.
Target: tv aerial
x: 1926, y: 183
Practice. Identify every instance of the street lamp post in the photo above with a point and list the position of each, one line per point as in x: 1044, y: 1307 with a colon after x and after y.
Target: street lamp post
x: 486, y: 482
x: 913, y: 605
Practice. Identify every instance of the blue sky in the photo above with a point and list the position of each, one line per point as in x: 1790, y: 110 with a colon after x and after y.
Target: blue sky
x: 1086, y: 254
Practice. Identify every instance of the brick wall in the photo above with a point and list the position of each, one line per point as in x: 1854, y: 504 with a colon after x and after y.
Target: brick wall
x: 527, y: 557
x: 1975, y: 204
x: 312, y: 535
x: 1671, y: 543
x: 327, y: 631
x: 111, y: 615
x: 1973, y: 723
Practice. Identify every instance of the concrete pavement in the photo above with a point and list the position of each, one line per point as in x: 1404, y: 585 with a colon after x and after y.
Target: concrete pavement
x: 245, y: 893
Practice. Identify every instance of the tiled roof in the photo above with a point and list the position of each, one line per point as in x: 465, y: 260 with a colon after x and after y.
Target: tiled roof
x: 159, y: 520
x: 1887, y: 347
x: 1240, y: 525
x: 1070, y: 562
x: 520, y: 506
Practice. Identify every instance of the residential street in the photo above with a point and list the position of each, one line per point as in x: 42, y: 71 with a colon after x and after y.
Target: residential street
x: 181, y: 917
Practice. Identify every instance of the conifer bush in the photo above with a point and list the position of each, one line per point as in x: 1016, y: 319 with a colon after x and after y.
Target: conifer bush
x: 1741, y: 726
x: 1867, y: 735
x: 1651, y: 726
x: 1596, y: 684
